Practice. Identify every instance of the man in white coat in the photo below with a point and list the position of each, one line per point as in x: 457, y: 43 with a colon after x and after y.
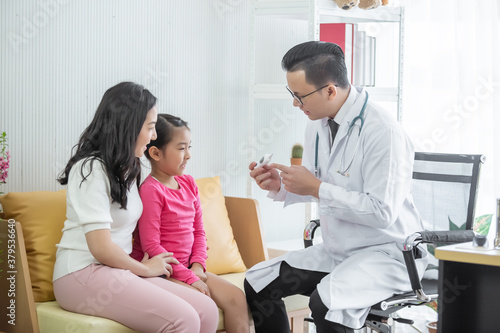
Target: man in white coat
x: 361, y: 179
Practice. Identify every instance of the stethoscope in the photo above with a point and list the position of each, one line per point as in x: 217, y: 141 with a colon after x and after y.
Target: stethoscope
x: 344, y: 170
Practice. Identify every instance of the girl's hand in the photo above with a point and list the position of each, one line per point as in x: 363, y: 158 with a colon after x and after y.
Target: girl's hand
x: 198, y: 270
x: 159, y: 265
x: 202, y: 287
x: 266, y: 177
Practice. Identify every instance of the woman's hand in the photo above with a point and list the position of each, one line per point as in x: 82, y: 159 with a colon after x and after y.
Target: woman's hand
x: 266, y: 177
x: 198, y: 270
x: 202, y: 287
x: 159, y: 265
x: 108, y: 253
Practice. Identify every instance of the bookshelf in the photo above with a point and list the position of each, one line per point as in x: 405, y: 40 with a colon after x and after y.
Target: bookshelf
x: 316, y: 12
x: 275, y: 27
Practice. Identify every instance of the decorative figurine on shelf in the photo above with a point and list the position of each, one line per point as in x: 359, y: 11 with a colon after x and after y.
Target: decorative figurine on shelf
x: 363, y: 4
x: 347, y: 4
x: 297, y: 151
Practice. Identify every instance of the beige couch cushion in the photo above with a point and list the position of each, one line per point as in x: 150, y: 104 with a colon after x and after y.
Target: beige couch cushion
x: 42, y: 215
x: 223, y: 254
x: 52, y: 318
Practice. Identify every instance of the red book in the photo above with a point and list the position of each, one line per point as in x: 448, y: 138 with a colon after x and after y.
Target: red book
x: 342, y: 34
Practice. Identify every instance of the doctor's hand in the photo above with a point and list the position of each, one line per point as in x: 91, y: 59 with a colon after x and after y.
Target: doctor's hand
x: 298, y: 180
x: 266, y: 177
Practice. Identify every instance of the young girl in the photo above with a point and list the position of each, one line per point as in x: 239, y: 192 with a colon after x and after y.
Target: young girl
x: 94, y: 273
x: 172, y: 221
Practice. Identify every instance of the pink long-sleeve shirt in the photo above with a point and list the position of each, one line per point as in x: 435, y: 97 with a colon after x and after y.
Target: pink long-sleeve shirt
x: 172, y: 222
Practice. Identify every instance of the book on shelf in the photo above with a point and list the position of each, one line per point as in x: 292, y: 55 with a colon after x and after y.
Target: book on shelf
x: 359, y: 50
x: 343, y: 35
x: 359, y: 54
x: 369, y: 62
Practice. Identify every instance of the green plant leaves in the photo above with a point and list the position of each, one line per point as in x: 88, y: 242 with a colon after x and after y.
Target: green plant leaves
x: 297, y: 150
x: 482, y: 224
x: 453, y: 226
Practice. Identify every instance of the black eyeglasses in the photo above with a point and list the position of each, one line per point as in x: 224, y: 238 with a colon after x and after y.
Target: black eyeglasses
x: 299, y: 99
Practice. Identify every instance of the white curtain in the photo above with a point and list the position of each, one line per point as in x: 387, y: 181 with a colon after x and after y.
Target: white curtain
x: 451, y: 100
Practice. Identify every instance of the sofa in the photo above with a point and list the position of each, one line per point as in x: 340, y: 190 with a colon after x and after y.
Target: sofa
x: 234, y: 239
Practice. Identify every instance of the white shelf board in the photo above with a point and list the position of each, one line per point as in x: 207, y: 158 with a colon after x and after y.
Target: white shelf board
x: 383, y: 94
x: 328, y: 11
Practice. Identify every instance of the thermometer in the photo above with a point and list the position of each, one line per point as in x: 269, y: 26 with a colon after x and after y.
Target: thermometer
x: 264, y: 160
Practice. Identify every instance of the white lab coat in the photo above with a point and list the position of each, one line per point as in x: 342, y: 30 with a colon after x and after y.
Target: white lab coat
x: 365, y: 217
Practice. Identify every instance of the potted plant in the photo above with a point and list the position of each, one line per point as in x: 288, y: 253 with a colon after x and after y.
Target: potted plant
x: 297, y: 151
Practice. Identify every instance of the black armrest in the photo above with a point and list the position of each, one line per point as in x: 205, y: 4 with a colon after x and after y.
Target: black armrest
x: 309, y: 231
x: 441, y: 237
x: 447, y: 237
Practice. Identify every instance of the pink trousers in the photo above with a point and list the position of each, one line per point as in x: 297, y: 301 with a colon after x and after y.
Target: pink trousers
x: 143, y: 304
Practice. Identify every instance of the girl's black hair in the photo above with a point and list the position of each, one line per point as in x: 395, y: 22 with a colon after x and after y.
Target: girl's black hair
x: 164, y: 131
x: 322, y: 63
x: 111, y: 138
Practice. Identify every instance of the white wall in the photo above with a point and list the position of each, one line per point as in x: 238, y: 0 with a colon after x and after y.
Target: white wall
x: 452, y: 79
x: 59, y: 56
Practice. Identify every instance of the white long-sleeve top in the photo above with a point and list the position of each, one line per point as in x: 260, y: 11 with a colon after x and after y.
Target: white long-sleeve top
x: 90, y: 207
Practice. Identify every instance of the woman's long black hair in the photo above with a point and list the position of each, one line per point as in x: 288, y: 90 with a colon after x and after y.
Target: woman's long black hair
x: 111, y: 138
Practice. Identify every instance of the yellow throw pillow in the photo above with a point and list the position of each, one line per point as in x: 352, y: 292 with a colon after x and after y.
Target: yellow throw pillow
x: 42, y: 215
x: 223, y: 254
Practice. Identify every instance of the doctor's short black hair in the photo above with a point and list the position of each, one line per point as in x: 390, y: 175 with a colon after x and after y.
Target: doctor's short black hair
x: 322, y: 63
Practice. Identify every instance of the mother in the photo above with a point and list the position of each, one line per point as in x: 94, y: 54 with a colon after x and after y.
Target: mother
x: 93, y: 273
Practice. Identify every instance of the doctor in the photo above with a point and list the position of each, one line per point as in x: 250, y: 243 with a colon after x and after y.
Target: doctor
x: 361, y: 178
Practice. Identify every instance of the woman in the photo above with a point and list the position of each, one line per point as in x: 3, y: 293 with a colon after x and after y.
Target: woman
x: 94, y: 273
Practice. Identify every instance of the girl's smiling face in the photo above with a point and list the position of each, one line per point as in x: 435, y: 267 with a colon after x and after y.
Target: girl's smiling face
x: 174, y: 156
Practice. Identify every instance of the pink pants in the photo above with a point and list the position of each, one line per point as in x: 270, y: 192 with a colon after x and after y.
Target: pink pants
x: 143, y: 304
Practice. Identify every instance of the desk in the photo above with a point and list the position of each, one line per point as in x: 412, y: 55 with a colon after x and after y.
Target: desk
x: 469, y: 289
